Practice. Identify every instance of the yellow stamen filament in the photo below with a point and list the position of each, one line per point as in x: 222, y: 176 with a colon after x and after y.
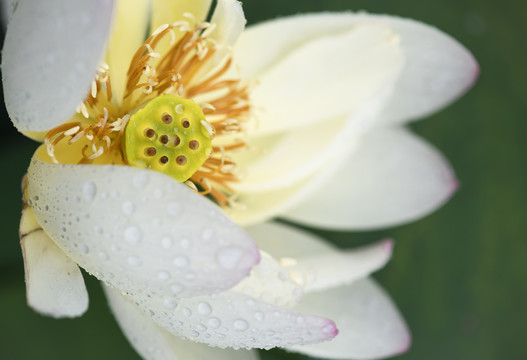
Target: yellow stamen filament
x: 187, y: 69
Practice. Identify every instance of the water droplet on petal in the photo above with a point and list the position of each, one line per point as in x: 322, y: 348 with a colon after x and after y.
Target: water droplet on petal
x: 163, y: 275
x: 104, y: 256
x: 181, y: 261
x: 214, y: 323
x: 84, y: 249
x: 128, y: 208
x: 240, y: 325
x: 174, y: 209
x: 170, y: 304
x: 89, y: 190
x: 177, y: 288
x: 207, y: 234
x: 259, y: 315
x: 166, y: 242
x: 135, y: 261
x: 204, y: 309
x: 185, y: 243
x: 140, y: 180
x: 187, y: 312
x: 229, y: 257
x: 133, y: 235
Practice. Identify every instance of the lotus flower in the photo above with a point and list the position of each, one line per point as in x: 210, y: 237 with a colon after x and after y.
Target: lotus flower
x: 153, y: 160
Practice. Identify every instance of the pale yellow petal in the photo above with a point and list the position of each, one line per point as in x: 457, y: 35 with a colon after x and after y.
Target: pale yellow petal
x: 129, y: 31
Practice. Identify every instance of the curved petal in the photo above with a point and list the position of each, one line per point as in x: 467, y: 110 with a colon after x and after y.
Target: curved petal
x: 370, y: 326
x: 229, y: 22
x: 231, y: 319
x: 269, y: 281
x: 129, y: 30
x: 139, y: 230
x: 54, y: 283
x: 289, y: 185
x: 169, y: 11
x: 437, y: 68
x: 48, y: 61
x: 393, y: 178
x: 155, y: 343
x: 314, y: 263
x: 356, y: 64
x: 279, y: 160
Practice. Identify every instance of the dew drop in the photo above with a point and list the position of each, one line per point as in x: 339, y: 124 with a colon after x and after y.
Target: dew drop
x: 84, y: 249
x: 229, y: 257
x: 201, y: 327
x: 134, y: 261
x: 133, y: 235
x: 177, y: 288
x: 187, y: 312
x: 259, y: 315
x: 185, y: 243
x: 163, y: 275
x: 300, y: 320
x: 89, y: 190
x: 174, y: 208
x: 167, y: 242
x: 170, y: 304
x: 204, y: 309
x: 207, y: 234
x: 104, y: 256
x: 214, y: 323
x: 240, y: 325
x: 180, y: 108
x: 128, y: 208
x: 140, y: 180
x: 181, y: 261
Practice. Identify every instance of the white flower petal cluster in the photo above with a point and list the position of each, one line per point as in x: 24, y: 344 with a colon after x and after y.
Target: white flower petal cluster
x: 328, y: 148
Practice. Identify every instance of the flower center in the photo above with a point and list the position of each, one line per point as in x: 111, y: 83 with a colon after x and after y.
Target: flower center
x: 155, y: 125
x: 170, y: 134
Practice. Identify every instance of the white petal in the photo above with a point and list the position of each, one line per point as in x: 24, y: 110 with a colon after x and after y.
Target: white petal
x: 393, y: 178
x: 437, y: 71
x: 51, y: 51
x: 54, y: 283
x: 231, y: 319
x: 306, y: 168
x: 229, y: 22
x: 139, y: 230
x: 437, y: 68
x: 370, y: 326
x: 328, y: 77
x: 270, y: 282
x: 279, y: 160
x: 314, y: 263
x: 155, y: 343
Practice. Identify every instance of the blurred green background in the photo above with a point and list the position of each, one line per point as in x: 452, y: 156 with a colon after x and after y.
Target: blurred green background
x: 459, y: 275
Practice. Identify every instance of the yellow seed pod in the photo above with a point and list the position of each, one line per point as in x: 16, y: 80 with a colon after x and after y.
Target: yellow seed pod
x: 169, y: 134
